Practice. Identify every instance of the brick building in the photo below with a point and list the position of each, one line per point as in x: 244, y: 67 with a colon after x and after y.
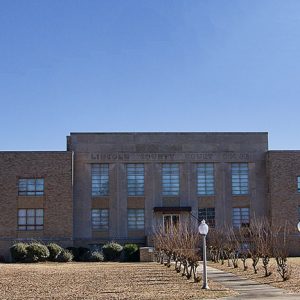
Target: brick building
x: 36, y: 197
x: 118, y: 186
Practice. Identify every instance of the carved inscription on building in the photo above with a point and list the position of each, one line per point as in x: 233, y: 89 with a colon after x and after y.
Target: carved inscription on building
x: 235, y: 156
x: 202, y: 156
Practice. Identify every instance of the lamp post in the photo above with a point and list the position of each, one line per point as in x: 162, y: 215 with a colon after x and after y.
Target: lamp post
x: 203, y: 230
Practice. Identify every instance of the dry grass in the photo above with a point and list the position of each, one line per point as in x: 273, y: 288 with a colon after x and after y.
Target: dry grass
x: 100, y: 281
x: 291, y: 285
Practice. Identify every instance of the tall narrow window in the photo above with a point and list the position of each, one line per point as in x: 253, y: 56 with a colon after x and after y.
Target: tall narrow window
x: 207, y: 214
x: 170, y: 179
x: 31, y: 219
x: 100, y: 219
x: 136, y: 219
x: 240, y: 217
x: 31, y: 187
x: 298, y: 184
x: 239, y: 178
x: 205, y: 179
x: 100, y: 179
x: 135, y: 179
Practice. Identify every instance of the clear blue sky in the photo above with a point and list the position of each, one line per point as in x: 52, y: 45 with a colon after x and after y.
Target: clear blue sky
x: 148, y: 65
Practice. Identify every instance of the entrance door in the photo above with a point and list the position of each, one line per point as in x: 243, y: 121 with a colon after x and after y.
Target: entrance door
x: 170, y: 222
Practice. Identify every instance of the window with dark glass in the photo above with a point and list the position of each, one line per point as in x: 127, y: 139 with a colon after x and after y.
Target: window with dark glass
x: 298, y: 184
x: 170, y: 179
x: 136, y: 219
x: 31, y: 187
x: 240, y: 217
x: 205, y: 179
x: 239, y: 178
x: 135, y: 179
x: 100, y: 219
x: 31, y: 219
x: 207, y: 214
x: 100, y: 179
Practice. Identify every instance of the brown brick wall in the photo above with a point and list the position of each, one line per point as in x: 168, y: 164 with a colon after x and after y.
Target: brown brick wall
x: 56, y: 169
x: 284, y: 199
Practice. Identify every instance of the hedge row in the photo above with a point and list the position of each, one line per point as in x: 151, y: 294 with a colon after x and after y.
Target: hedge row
x: 37, y: 252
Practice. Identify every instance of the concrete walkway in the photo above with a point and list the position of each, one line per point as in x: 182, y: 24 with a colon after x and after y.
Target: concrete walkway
x: 247, y: 289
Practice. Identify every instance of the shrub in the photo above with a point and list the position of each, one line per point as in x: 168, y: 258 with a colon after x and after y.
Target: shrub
x: 92, y: 256
x: 131, y: 252
x: 18, y: 252
x: 64, y: 256
x: 54, y: 250
x: 112, y: 251
x: 37, y: 252
x: 74, y: 252
x: 78, y: 252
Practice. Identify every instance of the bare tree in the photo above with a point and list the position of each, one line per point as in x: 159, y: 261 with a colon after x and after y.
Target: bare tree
x: 281, y: 249
x: 243, y: 236
x: 180, y: 244
x: 253, y: 243
x: 264, y: 243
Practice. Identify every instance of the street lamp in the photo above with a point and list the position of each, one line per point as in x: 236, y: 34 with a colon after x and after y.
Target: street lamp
x: 298, y: 226
x: 203, y: 230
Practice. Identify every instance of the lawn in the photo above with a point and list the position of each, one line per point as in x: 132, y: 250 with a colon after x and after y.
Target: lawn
x: 291, y: 285
x: 100, y: 281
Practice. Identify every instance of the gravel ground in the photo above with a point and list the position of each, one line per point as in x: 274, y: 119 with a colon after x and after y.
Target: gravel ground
x: 100, y: 281
x: 291, y: 285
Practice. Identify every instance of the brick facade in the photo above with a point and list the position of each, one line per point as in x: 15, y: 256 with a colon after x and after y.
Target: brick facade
x: 283, y: 196
x: 68, y: 201
x: 56, y: 169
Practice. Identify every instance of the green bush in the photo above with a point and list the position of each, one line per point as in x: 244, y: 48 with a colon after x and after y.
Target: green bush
x: 18, y: 252
x: 54, y: 250
x: 92, y: 256
x: 131, y: 252
x: 64, y: 256
x: 112, y: 251
x: 36, y: 252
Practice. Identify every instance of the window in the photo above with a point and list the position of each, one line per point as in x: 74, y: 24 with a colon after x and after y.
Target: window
x: 136, y: 219
x: 100, y: 179
x: 135, y: 179
x: 170, y: 222
x: 205, y: 179
x: 239, y: 178
x: 31, y: 219
x: 298, y: 184
x: 240, y: 217
x: 100, y: 219
x: 170, y: 179
x: 207, y: 214
x: 31, y: 187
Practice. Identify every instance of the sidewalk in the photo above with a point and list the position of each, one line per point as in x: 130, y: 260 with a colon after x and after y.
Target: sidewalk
x: 247, y: 289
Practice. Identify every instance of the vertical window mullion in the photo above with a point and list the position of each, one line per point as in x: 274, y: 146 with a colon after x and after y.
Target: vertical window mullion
x: 100, y: 179
x: 170, y: 179
x: 31, y: 186
x: 135, y: 219
x: 30, y: 218
x: 135, y: 179
x: 205, y: 179
x: 239, y: 178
